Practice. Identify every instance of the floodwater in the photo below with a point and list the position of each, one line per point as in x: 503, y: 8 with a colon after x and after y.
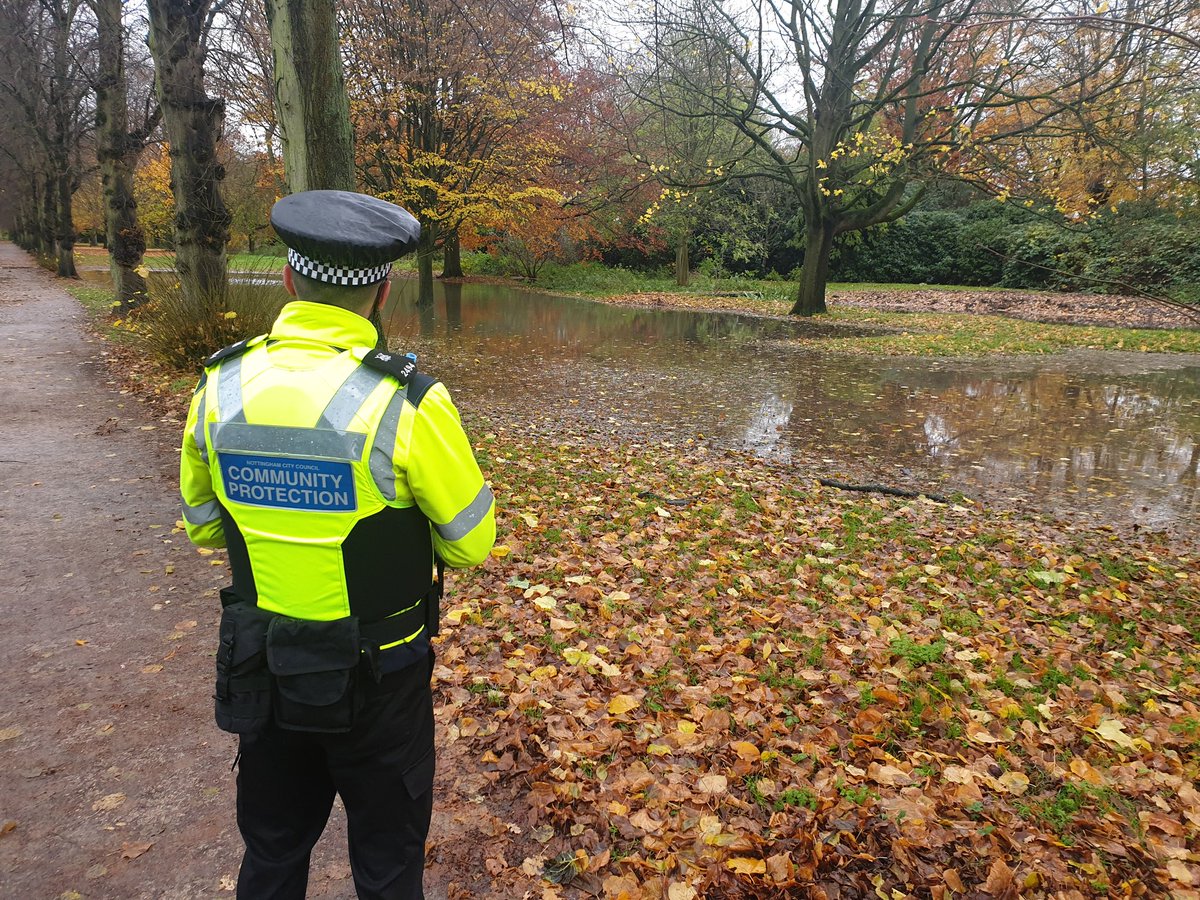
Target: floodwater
x: 1100, y: 435
x: 1110, y: 436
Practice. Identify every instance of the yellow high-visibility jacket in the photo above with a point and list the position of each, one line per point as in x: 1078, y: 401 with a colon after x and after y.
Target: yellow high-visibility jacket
x: 331, y: 481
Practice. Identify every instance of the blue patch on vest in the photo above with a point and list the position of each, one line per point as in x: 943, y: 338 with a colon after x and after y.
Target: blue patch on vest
x: 315, y: 485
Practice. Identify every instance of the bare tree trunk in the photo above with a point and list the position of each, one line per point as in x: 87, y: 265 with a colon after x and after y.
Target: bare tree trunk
x: 818, y: 245
x: 60, y: 143
x: 425, y: 251
x: 66, y: 226
x: 683, y: 273
x: 452, y: 262
x: 193, y: 121
x: 49, y: 216
x: 310, y: 95
x: 117, y: 154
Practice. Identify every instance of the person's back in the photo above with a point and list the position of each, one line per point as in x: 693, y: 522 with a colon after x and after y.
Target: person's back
x: 333, y: 472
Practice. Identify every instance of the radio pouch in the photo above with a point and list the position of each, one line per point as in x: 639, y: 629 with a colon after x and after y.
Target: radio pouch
x: 315, y: 666
x: 243, y: 689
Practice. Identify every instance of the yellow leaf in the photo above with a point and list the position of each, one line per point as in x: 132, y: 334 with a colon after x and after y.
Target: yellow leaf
x: 743, y: 865
x: 1113, y: 731
x: 7, y: 734
x: 143, y: 271
x: 530, y: 519
x: 621, y: 704
x: 658, y: 750
x: 679, y: 891
x: 1085, y: 770
x: 545, y: 602
x: 713, y: 784
x: 81, y: 642
x: 1015, y: 783
x: 543, y: 672
x: 745, y: 750
x: 500, y: 551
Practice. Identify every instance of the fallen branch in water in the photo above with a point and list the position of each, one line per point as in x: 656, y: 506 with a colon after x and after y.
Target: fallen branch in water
x: 884, y: 489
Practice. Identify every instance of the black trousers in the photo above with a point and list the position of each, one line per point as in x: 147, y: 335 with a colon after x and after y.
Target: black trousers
x: 383, y: 769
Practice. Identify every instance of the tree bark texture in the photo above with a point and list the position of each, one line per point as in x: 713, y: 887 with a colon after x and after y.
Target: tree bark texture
x: 425, y: 252
x: 818, y: 245
x: 60, y: 141
x: 117, y: 153
x: 49, y: 215
x: 310, y: 95
x: 683, y: 271
x: 193, y: 122
x: 452, y: 256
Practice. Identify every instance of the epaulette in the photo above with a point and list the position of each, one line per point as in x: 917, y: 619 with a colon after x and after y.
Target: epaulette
x: 401, y: 367
x: 234, y: 349
x: 404, y: 370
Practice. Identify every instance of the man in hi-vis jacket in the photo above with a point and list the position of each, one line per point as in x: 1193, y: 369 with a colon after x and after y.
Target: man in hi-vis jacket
x: 340, y: 479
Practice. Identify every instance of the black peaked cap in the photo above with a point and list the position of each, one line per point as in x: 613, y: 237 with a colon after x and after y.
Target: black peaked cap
x: 345, y: 229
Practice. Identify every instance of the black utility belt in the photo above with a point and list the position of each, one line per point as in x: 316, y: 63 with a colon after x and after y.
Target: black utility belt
x: 299, y: 673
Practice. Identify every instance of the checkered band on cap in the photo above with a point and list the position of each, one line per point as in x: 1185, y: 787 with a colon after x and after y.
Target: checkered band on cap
x: 336, y: 274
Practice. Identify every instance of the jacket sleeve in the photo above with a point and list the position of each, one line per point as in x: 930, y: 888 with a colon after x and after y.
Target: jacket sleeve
x: 201, y: 510
x: 446, y: 483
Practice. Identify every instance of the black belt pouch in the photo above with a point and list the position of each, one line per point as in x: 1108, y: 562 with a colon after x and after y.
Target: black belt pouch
x: 315, y: 665
x: 243, y: 690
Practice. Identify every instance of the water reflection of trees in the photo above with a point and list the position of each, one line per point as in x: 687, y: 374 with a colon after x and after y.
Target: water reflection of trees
x: 1132, y: 440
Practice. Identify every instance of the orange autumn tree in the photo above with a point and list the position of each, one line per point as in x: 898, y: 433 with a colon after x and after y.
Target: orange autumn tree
x: 1129, y: 135
x: 442, y: 115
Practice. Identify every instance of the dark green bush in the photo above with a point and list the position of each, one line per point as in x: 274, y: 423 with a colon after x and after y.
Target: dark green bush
x: 1042, y: 255
x: 1157, y: 252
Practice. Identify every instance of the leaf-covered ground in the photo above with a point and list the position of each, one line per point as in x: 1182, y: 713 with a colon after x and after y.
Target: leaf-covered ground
x: 702, y: 678
x: 689, y: 674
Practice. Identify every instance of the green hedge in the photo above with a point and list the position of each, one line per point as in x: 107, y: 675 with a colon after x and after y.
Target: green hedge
x: 989, y: 244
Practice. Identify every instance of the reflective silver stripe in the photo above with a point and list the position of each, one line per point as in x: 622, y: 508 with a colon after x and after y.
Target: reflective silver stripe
x: 349, y: 398
x: 229, y: 390
x: 202, y: 514
x: 460, y: 526
x: 239, y: 437
x: 383, y: 469
x: 198, y: 432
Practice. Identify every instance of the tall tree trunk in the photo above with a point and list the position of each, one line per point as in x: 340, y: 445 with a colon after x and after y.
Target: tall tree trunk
x: 452, y: 264
x: 193, y: 121
x: 818, y: 245
x: 117, y: 153
x: 310, y: 95
x: 49, y: 217
x: 66, y: 227
x: 61, y: 141
x: 683, y: 272
x: 425, y: 251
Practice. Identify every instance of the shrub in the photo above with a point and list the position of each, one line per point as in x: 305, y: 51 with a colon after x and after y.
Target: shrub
x: 1043, y: 255
x: 181, y: 334
x: 1151, y: 250
x: 922, y: 247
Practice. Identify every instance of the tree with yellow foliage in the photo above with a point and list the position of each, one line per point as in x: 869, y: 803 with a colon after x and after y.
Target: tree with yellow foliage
x: 444, y: 117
